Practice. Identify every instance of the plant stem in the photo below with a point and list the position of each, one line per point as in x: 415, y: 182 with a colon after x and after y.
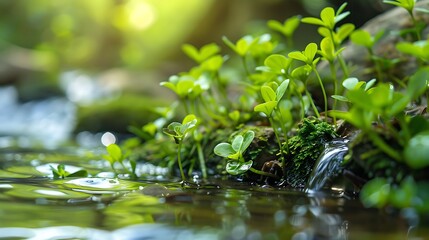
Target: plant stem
x: 335, y: 80
x: 376, y: 62
x: 202, y: 160
x: 343, y: 66
x: 295, y: 87
x: 379, y: 142
x: 323, y: 89
x: 263, y: 173
x: 276, y: 134
x: 246, y: 69
x: 415, y: 25
x: 179, y: 160
x: 307, y: 93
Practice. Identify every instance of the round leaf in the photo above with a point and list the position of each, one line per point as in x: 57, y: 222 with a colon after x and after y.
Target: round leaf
x: 224, y: 150
x: 416, y: 153
x: 375, y: 193
x: 237, y: 168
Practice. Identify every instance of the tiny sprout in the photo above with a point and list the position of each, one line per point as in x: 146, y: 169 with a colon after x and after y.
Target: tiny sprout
x: 242, y: 46
x: 203, y: 54
x: 406, y: 4
x: 287, y: 28
x: 179, y: 131
x: 60, y: 172
x: 234, y: 152
x: 419, y: 49
x: 115, y: 155
x: 306, y: 56
x: 277, y: 64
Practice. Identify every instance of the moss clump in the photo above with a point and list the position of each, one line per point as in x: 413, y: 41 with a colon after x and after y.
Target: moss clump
x: 305, y: 148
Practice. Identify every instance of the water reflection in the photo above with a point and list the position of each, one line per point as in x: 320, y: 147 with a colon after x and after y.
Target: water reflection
x: 112, y: 208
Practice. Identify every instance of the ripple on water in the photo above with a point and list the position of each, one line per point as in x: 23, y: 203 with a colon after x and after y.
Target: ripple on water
x: 37, y: 192
x: 100, y: 185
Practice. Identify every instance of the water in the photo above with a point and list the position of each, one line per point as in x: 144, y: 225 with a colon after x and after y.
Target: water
x: 35, y: 206
x: 328, y: 166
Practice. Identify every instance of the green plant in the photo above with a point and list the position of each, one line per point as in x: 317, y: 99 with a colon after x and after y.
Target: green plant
x: 364, y: 38
x: 60, y: 172
x: 308, y: 56
x: 328, y: 19
x: 270, y: 106
x: 419, y: 49
x: 236, y: 164
x: 116, y: 155
x: 179, y: 132
x: 287, y: 28
x: 409, y: 6
x: 234, y: 152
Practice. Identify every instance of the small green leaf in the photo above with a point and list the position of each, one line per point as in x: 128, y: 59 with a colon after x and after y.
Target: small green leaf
x: 80, y: 173
x: 375, y: 193
x: 404, y: 195
x: 224, y: 150
x: 277, y: 63
x: 328, y: 17
x: 191, y: 51
x: 297, y: 55
x: 287, y: 28
x: 327, y: 49
x: 350, y: 83
x: 340, y: 98
x: 361, y: 99
x: 363, y: 38
x: 173, y: 129
x: 213, y: 63
x: 184, y: 87
x: 313, y: 20
x: 417, y: 84
x: 268, y: 94
x: 237, y: 142
x: 416, y: 152
x: 369, y: 84
x: 234, y: 116
x: 280, y: 91
x: 114, y: 152
x: 344, y: 31
x: 247, y: 140
x: 382, y: 95
x: 310, y: 52
x: 237, y: 168
x: 170, y: 86
x: 266, y: 108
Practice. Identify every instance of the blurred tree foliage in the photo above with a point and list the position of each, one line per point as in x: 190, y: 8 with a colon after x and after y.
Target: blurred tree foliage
x: 101, y: 34
x: 98, y: 34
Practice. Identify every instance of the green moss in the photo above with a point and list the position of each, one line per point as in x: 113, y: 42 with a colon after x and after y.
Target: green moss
x: 305, y: 148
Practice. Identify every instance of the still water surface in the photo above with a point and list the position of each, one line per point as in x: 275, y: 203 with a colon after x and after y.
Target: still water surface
x: 33, y: 205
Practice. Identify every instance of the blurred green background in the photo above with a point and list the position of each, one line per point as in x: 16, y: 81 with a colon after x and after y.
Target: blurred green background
x: 128, y: 45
